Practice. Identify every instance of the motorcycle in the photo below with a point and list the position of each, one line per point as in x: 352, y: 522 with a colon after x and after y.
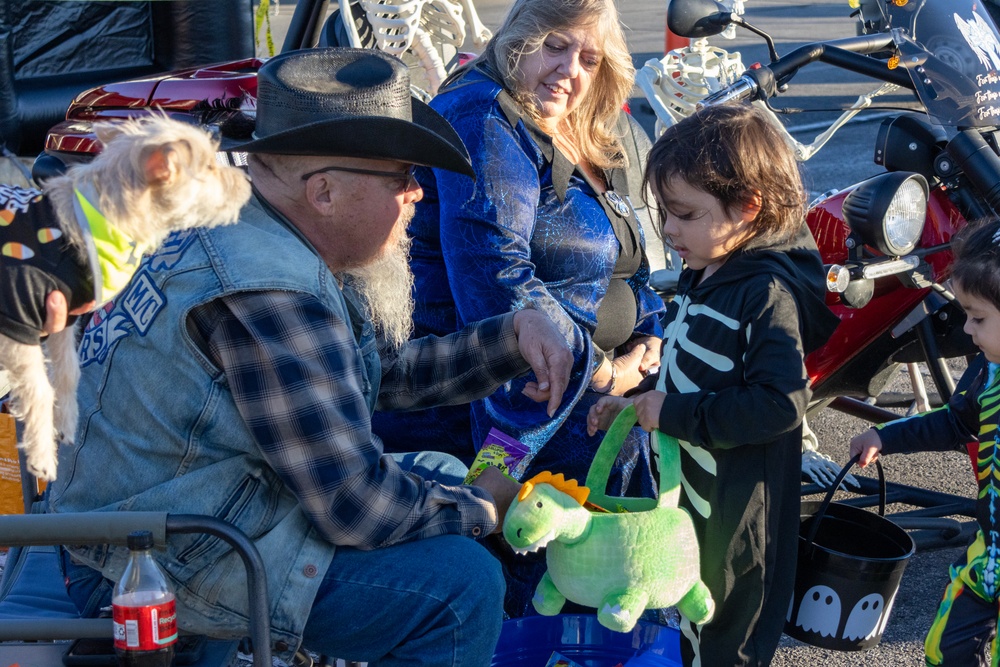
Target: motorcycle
x: 424, y: 34
x: 885, y: 241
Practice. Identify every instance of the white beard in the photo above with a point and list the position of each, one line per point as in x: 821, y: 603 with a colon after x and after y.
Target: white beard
x: 385, y: 286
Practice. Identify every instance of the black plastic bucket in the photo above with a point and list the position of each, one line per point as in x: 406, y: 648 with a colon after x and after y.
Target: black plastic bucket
x: 849, y: 566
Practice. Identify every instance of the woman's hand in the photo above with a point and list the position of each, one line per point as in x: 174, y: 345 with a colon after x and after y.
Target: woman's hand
x: 651, y: 357
x: 603, y: 413
x: 628, y: 369
x: 868, y: 444
x: 625, y: 375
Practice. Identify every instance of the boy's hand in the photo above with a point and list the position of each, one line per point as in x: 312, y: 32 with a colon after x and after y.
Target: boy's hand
x: 868, y: 444
x: 647, y: 409
x: 604, y: 412
x: 502, y: 488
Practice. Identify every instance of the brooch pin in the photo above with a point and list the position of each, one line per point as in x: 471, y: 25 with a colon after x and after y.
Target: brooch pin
x: 619, y: 204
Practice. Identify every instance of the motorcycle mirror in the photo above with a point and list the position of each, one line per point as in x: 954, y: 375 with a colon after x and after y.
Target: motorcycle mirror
x: 697, y: 18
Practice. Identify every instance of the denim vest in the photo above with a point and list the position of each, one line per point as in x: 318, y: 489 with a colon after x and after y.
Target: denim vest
x: 159, y: 430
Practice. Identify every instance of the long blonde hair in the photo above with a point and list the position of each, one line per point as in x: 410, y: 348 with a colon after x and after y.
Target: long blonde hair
x: 593, y: 123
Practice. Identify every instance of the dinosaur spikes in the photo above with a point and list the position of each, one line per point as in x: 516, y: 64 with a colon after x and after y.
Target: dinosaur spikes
x: 568, y: 486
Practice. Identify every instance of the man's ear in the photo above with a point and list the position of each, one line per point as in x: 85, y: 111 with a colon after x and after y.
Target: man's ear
x: 752, y: 207
x: 319, y: 193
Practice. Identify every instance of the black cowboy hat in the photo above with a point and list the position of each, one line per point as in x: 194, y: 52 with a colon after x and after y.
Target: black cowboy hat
x: 351, y: 103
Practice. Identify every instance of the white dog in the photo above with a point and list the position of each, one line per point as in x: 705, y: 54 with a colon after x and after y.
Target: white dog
x: 84, y: 236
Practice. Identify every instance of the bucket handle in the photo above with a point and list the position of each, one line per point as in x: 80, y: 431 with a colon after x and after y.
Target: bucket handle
x: 836, y: 485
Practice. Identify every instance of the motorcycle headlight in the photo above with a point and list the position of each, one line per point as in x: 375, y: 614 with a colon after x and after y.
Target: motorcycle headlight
x: 888, y: 211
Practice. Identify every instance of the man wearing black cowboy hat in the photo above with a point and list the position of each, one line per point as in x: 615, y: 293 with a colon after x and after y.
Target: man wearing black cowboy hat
x: 237, y: 374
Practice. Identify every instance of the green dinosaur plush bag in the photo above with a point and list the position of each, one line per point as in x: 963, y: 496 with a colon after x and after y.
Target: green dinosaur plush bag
x: 621, y: 563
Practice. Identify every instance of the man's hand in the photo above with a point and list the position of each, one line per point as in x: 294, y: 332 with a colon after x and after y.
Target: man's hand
x: 868, y: 444
x: 545, y: 349
x: 55, y: 312
x: 502, y: 488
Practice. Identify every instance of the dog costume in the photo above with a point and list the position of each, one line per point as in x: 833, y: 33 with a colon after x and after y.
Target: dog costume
x: 37, y: 257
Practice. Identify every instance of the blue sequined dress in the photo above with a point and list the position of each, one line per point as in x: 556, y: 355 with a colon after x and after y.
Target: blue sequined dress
x: 530, y: 231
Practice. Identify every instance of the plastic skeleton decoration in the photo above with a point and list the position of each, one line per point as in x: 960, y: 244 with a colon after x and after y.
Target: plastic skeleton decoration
x: 674, y: 85
x: 677, y: 82
x: 428, y: 32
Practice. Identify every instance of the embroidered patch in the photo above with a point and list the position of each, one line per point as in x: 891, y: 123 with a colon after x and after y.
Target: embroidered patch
x: 171, y: 251
x: 138, y: 306
x: 104, y: 328
x: 142, y: 302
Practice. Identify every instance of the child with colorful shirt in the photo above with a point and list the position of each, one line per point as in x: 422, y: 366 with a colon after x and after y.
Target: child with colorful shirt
x: 733, y: 386
x: 965, y: 628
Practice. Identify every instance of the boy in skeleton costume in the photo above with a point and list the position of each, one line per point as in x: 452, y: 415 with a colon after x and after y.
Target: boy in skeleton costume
x: 964, y: 630
x: 733, y: 386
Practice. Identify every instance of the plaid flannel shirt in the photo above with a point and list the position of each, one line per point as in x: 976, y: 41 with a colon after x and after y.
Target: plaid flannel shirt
x: 294, y: 371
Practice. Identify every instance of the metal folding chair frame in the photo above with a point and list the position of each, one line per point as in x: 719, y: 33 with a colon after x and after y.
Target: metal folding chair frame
x: 92, y: 528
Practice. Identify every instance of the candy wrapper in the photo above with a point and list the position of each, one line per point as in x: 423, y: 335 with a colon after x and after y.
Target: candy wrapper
x: 499, y: 450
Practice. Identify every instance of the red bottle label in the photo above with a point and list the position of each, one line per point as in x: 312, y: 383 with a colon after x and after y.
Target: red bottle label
x: 145, y: 628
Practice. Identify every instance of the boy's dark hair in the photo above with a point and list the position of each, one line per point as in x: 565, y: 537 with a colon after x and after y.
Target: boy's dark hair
x: 733, y: 152
x: 977, y: 259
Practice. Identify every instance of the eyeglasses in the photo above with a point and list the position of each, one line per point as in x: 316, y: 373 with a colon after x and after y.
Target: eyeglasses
x: 405, y: 180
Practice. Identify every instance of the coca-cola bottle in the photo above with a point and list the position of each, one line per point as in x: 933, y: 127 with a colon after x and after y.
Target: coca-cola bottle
x: 144, y: 609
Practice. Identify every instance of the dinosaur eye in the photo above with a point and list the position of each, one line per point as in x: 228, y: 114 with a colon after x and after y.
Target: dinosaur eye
x: 539, y: 504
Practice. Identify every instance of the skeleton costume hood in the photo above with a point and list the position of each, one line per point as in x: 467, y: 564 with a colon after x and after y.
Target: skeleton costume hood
x: 797, y: 264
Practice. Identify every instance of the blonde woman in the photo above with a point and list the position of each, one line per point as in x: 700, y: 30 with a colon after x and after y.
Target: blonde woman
x: 549, y: 223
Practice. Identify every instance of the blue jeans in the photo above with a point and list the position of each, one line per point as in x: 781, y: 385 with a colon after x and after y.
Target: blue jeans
x: 431, y: 602
x: 434, y: 602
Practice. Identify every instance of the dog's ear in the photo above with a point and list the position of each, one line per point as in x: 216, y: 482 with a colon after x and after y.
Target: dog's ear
x: 159, y: 165
x: 165, y: 163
